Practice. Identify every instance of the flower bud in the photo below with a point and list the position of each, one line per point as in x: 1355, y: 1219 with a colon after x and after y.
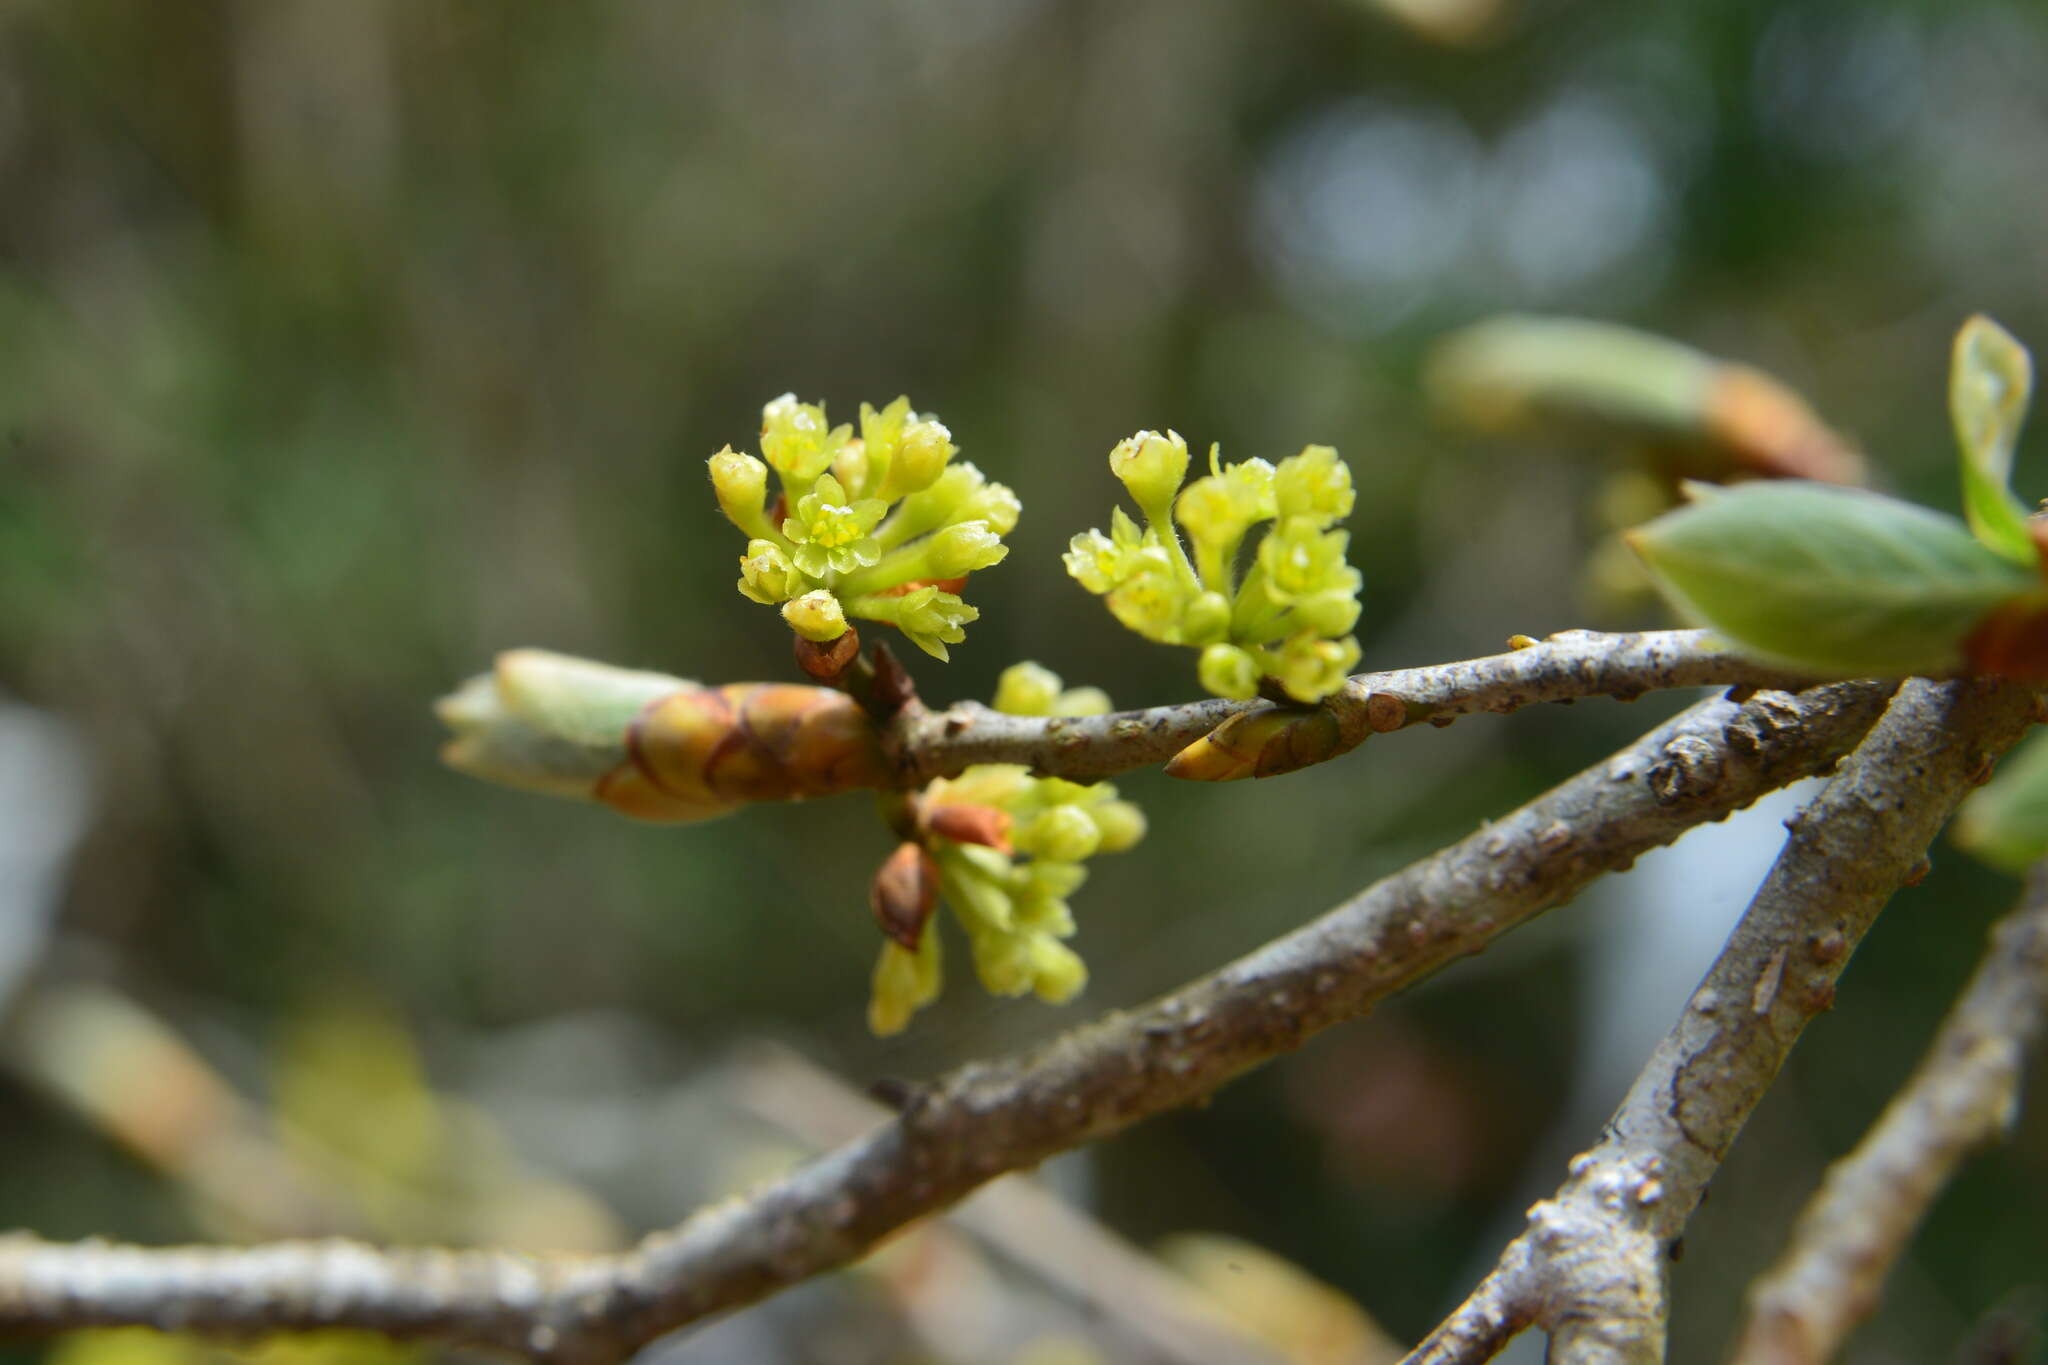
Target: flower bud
x: 964, y: 548
x: 1058, y: 974
x: 816, y: 616
x: 1064, y: 834
x: 995, y: 504
x: 903, y: 981
x: 1083, y: 701
x: 1327, y: 613
x: 741, y: 484
x: 1045, y: 915
x: 1227, y: 671
x: 921, y: 454
x: 1151, y: 466
x: 766, y: 575
x: 1120, y: 824
x: 1027, y: 689
x: 1005, y: 963
x: 1309, y: 668
x: 1207, y: 619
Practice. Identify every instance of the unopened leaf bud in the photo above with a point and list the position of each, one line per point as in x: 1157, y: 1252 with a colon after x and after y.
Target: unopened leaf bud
x: 1260, y: 744
x: 816, y: 616
x: 1227, y: 671
x: 1151, y: 466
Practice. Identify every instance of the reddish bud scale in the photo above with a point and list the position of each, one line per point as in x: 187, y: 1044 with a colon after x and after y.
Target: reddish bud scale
x: 700, y: 753
x: 2011, y: 642
x: 1773, y: 432
x: 966, y: 823
x: 952, y: 585
x: 904, y: 893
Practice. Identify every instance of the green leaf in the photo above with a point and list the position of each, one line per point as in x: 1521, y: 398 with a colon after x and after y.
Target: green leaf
x: 2005, y: 822
x: 1832, y: 579
x: 1988, y: 387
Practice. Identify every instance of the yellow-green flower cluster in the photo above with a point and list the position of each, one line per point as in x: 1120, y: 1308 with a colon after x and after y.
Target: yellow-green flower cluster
x: 1286, y: 615
x: 877, y: 526
x: 1012, y: 904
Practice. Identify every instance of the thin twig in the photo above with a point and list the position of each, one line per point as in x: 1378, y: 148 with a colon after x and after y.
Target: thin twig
x: 1590, y: 1269
x: 1965, y: 1094
x: 987, y: 1118
x: 1569, y: 665
x: 1027, y: 1223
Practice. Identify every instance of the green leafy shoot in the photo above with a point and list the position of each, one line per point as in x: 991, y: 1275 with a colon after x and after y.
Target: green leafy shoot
x: 1990, y: 382
x: 1836, y: 580
x: 2005, y: 822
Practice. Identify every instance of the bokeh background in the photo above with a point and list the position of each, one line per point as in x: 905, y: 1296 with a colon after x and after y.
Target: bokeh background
x: 345, y: 344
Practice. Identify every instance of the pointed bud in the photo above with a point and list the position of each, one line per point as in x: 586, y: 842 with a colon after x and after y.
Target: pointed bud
x: 816, y: 616
x: 546, y: 722
x: 970, y: 824
x: 1260, y: 744
x: 903, y: 894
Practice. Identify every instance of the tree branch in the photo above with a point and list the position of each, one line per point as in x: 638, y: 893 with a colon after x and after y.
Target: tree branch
x: 1965, y: 1093
x: 1591, y: 1267
x: 1571, y: 664
x: 986, y: 1118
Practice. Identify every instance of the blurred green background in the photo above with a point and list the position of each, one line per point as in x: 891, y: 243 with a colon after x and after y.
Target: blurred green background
x: 345, y: 344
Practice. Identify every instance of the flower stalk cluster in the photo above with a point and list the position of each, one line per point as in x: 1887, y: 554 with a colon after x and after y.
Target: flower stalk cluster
x: 1286, y: 615
x: 884, y: 526
x: 1004, y: 850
